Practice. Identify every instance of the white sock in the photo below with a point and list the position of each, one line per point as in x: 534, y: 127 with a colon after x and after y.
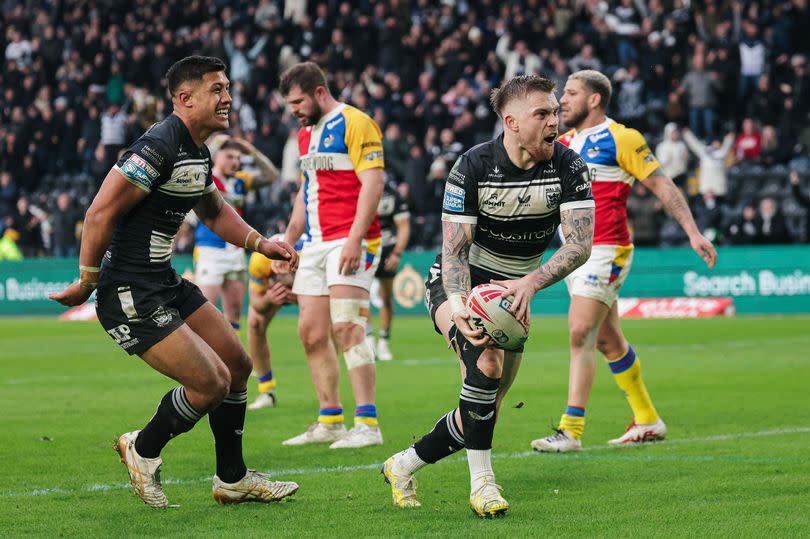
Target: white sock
x: 410, y: 462
x: 480, y: 462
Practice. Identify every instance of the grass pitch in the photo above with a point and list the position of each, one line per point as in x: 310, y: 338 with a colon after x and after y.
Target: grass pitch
x: 732, y: 391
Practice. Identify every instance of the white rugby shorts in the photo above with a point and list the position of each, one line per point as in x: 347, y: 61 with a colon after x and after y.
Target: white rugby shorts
x: 602, y: 276
x: 319, y: 262
x: 213, y: 266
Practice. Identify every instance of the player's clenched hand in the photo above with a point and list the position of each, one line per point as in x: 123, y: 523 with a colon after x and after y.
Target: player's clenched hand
x: 522, y: 291
x: 279, y: 250
x: 73, y: 295
x: 278, y: 294
x: 350, y: 257
x: 392, y: 262
x: 476, y: 336
x: 704, y: 248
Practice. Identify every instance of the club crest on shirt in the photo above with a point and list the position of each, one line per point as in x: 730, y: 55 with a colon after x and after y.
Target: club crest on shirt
x: 328, y: 140
x: 553, y: 196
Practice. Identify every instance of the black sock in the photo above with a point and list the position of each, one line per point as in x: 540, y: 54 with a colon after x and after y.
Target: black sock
x: 227, y: 422
x: 385, y: 333
x: 477, y: 405
x: 444, y: 440
x: 174, y: 416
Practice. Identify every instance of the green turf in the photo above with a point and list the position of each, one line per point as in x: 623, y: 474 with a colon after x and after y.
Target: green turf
x: 733, y: 392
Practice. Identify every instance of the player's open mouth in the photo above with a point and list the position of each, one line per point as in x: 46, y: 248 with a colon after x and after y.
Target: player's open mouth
x: 550, y: 139
x: 222, y: 113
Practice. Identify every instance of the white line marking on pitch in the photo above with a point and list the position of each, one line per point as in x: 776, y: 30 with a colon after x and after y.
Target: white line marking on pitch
x: 522, y: 455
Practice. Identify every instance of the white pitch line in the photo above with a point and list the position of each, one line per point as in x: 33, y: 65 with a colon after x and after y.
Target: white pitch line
x: 507, y: 456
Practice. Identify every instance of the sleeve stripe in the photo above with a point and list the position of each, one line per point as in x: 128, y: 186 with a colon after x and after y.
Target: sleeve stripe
x: 466, y: 219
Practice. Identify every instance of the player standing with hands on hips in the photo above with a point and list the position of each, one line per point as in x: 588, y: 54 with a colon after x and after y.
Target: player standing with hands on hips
x: 150, y: 311
x: 503, y: 201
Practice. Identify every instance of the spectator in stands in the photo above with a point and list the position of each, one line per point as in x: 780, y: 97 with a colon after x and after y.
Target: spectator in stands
x: 646, y: 214
x: 700, y: 87
x: 585, y: 60
x: 29, y: 227
x: 630, y: 97
x: 764, y: 100
x: 63, y: 226
x: 708, y: 215
x: 772, y: 150
x: 113, y: 132
x: 518, y: 61
x: 673, y: 155
x: 804, y: 201
x: 752, y: 60
x: 241, y: 57
x: 8, y: 194
x: 396, y: 152
x: 748, y: 144
x: 744, y: 230
x: 772, y: 226
x: 712, y: 175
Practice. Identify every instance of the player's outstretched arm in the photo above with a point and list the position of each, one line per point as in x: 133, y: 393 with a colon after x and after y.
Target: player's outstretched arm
x: 577, y: 229
x: 675, y: 203
x: 223, y: 221
x: 456, y: 241
x: 115, y: 199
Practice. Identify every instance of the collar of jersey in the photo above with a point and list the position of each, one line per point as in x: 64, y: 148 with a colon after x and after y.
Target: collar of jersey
x: 330, y: 116
x: 596, y: 128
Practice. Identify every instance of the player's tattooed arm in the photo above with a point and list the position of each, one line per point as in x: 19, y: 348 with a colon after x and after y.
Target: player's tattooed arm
x: 577, y: 229
x: 209, y: 206
x: 457, y: 238
x: 674, y: 202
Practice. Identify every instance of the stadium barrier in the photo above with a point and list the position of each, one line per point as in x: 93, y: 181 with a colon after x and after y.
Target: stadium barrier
x: 761, y: 280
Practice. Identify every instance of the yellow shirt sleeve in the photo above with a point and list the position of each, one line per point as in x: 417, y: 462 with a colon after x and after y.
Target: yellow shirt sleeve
x: 363, y: 140
x: 246, y: 177
x: 260, y: 269
x: 633, y: 154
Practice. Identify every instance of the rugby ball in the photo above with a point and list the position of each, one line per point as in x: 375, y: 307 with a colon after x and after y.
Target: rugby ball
x: 489, y: 310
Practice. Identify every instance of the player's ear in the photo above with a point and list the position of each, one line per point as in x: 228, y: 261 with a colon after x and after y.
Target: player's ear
x: 511, y: 122
x: 184, y: 95
x: 594, y: 101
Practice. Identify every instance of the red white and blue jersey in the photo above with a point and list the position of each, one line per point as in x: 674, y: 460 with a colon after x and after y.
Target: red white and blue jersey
x: 342, y: 144
x: 234, y: 190
x: 616, y: 156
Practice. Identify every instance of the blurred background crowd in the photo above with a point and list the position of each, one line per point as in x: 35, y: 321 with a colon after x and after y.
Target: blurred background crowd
x: 720, y: 88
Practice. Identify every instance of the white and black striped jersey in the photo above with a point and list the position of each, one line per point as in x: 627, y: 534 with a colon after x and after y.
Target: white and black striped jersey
x: 514, y: 212
x: 166, y: 163
x: 392, y: 206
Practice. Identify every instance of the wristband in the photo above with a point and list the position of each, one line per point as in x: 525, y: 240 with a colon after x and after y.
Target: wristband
x: 257, y: 242
x: 458, y: 304
x: 247, y: 238
x: 87, y: 286
x: 396, y: 253
x: 90, y: 269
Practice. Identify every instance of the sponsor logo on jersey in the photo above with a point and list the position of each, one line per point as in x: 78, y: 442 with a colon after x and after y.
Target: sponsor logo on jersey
x: 528, y: 235
x: 592, y: 152
x: 148, y: 151
x: 333, y: 123
x: 577, y: 164
x: 453, y: 202
x: 493, y: 202
x: 524, y: 201
x: 372, y: 156
x: 455, y: 189
x: 495, y: 173
x: 553, y: 195
x: 141, y: 162
x: 134, y: 172
x: 120, y: 333
x: 328, y: 140
x: 317, y: 162
x: 598, y: 136
x: 372, y: 144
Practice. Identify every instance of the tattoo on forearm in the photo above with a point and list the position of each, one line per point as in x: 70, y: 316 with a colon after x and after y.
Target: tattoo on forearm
x: 675, y: 203
x: 456, y: 257
x: 577, y: 229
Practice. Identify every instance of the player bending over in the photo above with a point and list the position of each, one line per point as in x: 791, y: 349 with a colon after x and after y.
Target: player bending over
x: 616, y: 157
x: 268, y: 293
x: 502, y: 203
x: 150, y: 311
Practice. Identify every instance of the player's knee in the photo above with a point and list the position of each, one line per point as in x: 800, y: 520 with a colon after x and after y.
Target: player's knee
x: 581, y: 335
x: 215, y: 387
x: 313, y: 337
x: 347, y: 334
x: 490, y: 363
x: 240, y: 369
x: 349, y: 317
x: 610, y: 347
x: 256, y: 323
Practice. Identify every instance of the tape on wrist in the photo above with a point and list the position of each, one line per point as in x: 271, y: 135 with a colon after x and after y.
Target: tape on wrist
x: 247, y: 238
x: 91, y: 269
x: 87, y: 286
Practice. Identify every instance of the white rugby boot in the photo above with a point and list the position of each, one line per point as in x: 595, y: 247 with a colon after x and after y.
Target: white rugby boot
x: 254, y: 487
x: 144, y: 474
x: 487, y: 501
x: 559, y: 442
x: 383, y: 351
x: 403, y: 484
x: 318, y: 433
x: 636, y: 434
x: 265, y: 400
x: 361, y: 435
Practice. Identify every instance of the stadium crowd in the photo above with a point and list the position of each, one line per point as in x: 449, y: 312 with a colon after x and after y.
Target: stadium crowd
x: 722, y: 86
